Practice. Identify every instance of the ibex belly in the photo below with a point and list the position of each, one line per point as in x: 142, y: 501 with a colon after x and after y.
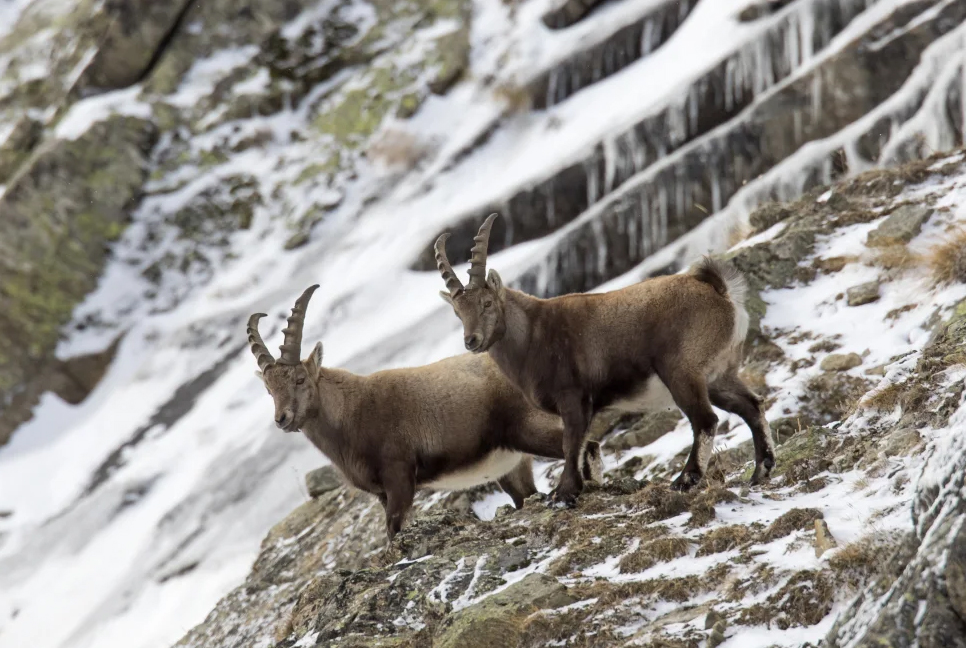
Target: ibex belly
x: 652, y: 396
x: 495, y: 465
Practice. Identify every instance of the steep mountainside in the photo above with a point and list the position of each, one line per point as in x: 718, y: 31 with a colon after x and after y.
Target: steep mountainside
x: 167, y: 168
x: 860, y: 348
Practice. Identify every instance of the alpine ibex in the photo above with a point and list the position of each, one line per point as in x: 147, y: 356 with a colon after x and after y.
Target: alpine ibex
x: 678, y: 336
x: 450, y: 425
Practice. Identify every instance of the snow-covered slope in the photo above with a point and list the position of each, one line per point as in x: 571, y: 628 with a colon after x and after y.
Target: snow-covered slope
x: 311, y: 150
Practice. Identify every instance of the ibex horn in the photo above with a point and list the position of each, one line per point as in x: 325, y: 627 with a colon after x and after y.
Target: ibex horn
x: 477, y: 269
x: 260, y: 351
x: 291, y: 347
x: 453, y: 284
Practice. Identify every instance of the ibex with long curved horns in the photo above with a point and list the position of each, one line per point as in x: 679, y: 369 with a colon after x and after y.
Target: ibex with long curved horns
x: 678, y: 336
x: 450, y: 425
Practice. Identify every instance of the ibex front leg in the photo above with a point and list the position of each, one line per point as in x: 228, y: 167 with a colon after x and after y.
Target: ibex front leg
x: 575, y: 410
x: 399, y: 480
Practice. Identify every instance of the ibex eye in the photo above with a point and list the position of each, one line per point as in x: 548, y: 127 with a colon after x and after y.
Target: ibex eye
x: 300, y: 381
x: 487, y: 304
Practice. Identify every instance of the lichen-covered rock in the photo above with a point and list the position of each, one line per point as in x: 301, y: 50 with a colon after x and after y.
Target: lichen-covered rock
x: 67, y: 203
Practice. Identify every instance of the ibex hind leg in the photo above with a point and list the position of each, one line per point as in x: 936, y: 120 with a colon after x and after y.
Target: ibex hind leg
x: 690, y: 393
x: 518, y: 483
x: 731, y: 394
x: 593, y: 463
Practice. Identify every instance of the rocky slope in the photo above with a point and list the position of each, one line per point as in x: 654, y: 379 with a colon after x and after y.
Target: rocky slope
x: 866, y: 401
x: 167, y: 170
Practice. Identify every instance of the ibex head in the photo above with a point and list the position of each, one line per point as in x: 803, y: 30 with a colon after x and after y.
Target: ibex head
x: 479, y: 304
x: 291, y: 382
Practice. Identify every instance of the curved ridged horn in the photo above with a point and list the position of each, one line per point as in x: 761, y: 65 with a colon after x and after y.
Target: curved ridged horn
x: 291, y: 347
x: 477, y: 271
x: 260, y: 351
x: 453, y: 284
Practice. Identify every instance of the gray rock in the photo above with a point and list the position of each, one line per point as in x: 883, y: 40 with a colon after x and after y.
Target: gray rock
x: 900, y: 227
x: 501, y: 619
x: 5, y: 514
x: 863, y: 294
x: 712, y: 619
x: 322, y: 480
x: 131, y: 34
x: 840, y: 361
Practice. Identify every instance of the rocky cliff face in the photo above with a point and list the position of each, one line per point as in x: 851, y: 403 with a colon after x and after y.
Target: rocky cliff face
x: 168, y: 168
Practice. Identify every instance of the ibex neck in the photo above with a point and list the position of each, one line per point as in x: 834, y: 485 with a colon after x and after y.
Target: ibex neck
x: 511, y: 352
x: 327, y: 430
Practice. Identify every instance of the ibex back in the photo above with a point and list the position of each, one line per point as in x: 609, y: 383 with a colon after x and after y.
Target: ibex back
x: 578, y: 354
x: 452, y: 424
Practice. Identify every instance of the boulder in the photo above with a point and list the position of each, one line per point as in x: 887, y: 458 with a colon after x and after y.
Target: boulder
x: 322, y: 480
x: 900, y: 227
x: 132, y: 35
x: 840, y: 361
x: 501, y: 619
x: 863, y: 294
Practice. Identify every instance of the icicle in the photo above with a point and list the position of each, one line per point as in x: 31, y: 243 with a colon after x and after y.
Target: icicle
x: 551, y: 204
x: 647, y: 37
x: 593, y: 182
x: 552, y: 87
x: 816, y: 96
x: 715, y: 189
x: 610, y: 153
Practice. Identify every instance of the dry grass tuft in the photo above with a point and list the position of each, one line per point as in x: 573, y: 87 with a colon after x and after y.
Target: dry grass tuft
x: 803, y: 601
x: 796, y: 519
x: 759, y: 580
x: 648, y: 555
x: 663, y: 502
x: 396, y: 148
x: 855, y: 563
x: 702, y: 508
x: 896, y: 257
x: 671, y: 589
x: 885, y: 399
x: 724, y: 539
x: 947, y: 261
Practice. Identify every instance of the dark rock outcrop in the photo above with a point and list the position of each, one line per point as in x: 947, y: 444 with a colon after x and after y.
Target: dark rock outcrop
x: 57, y: 216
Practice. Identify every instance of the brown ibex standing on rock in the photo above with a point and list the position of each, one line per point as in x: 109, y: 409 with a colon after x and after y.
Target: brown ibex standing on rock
x: 450, y: 425
x: 578, y: 354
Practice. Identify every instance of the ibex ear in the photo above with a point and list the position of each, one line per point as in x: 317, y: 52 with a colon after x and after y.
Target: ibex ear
x: 495, y: 283
x: 314, y: 360
x: 260, y: 375
x: 446, y: 297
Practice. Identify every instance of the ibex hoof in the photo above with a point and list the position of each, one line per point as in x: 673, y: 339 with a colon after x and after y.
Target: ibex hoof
x: 761, y: 474
x: 563, y: 499
x: 685, y: 482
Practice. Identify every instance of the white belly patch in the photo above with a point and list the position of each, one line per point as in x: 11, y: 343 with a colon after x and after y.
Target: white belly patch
x: 653, y: 396
x: 495, y: 465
